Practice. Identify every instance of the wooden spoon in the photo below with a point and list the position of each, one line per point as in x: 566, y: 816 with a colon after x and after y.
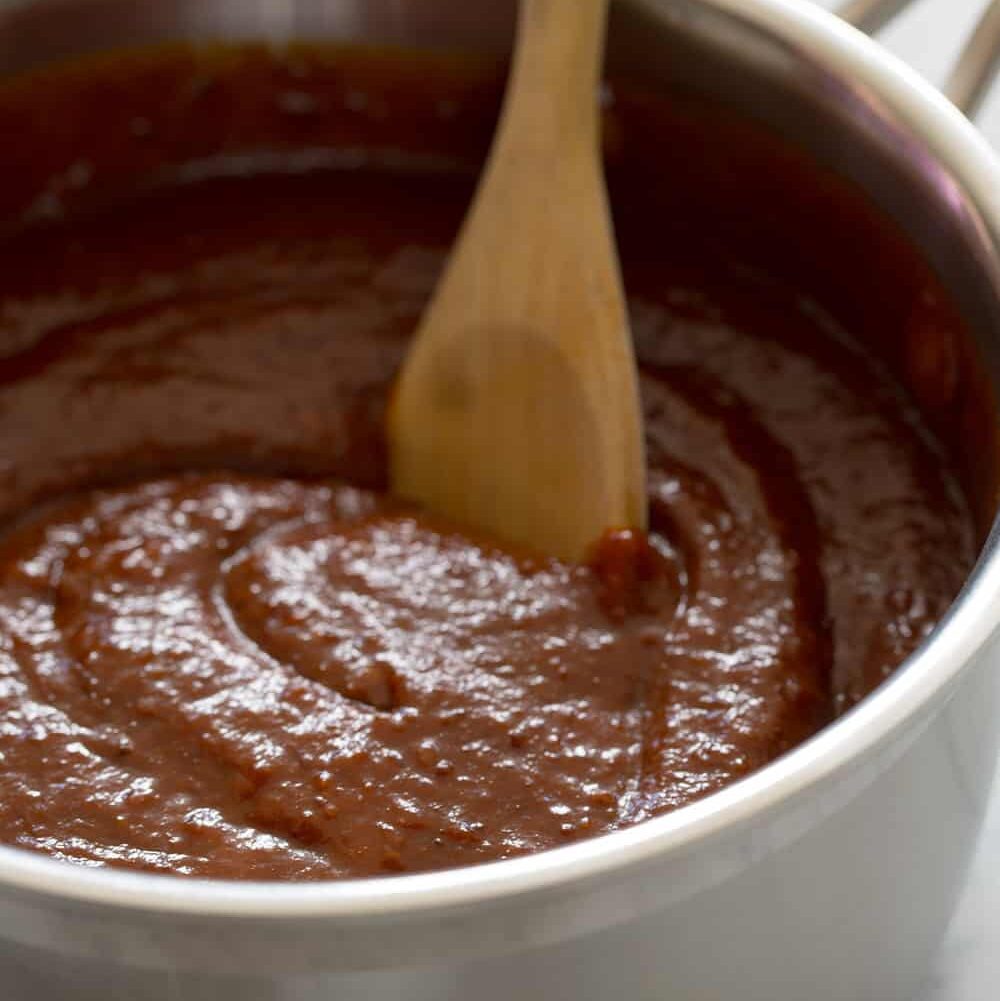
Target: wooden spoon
x: 517, y: 410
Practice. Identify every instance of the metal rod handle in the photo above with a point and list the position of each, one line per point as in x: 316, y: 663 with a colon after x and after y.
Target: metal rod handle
x: 871, y: 15
x: 970, y: 80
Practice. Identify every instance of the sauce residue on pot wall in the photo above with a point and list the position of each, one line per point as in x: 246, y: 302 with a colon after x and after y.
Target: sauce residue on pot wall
x: 226, y: 652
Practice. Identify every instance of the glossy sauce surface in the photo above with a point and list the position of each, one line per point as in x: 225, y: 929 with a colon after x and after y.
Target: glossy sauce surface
x: 224, y: 651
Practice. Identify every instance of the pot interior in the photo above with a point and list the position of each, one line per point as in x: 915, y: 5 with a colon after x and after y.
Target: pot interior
x: 805, y: 176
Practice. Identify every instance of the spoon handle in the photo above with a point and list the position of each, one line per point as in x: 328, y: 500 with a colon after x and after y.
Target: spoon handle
x: 558, y: 57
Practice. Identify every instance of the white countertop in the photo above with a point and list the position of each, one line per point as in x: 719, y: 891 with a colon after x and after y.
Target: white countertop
x: 929, y: 37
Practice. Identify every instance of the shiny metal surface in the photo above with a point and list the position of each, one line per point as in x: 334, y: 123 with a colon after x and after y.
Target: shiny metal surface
x: 829, y: 875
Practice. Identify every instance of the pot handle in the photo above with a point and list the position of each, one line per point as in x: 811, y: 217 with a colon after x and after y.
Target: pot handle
x: 970, y: 80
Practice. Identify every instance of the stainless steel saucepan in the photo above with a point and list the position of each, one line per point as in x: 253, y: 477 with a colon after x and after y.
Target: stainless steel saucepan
x: 830, y: 875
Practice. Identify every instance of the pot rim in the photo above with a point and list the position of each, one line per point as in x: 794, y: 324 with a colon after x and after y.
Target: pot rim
x: 923, y: 679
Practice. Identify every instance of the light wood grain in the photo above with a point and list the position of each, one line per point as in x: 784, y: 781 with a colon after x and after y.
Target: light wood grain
x: 517, y: 410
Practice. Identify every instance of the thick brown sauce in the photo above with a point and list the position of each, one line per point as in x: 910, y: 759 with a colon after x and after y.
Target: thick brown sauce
x: 217, y: 660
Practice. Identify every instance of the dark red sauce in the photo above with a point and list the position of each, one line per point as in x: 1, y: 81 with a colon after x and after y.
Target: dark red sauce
x: 224, y: 651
